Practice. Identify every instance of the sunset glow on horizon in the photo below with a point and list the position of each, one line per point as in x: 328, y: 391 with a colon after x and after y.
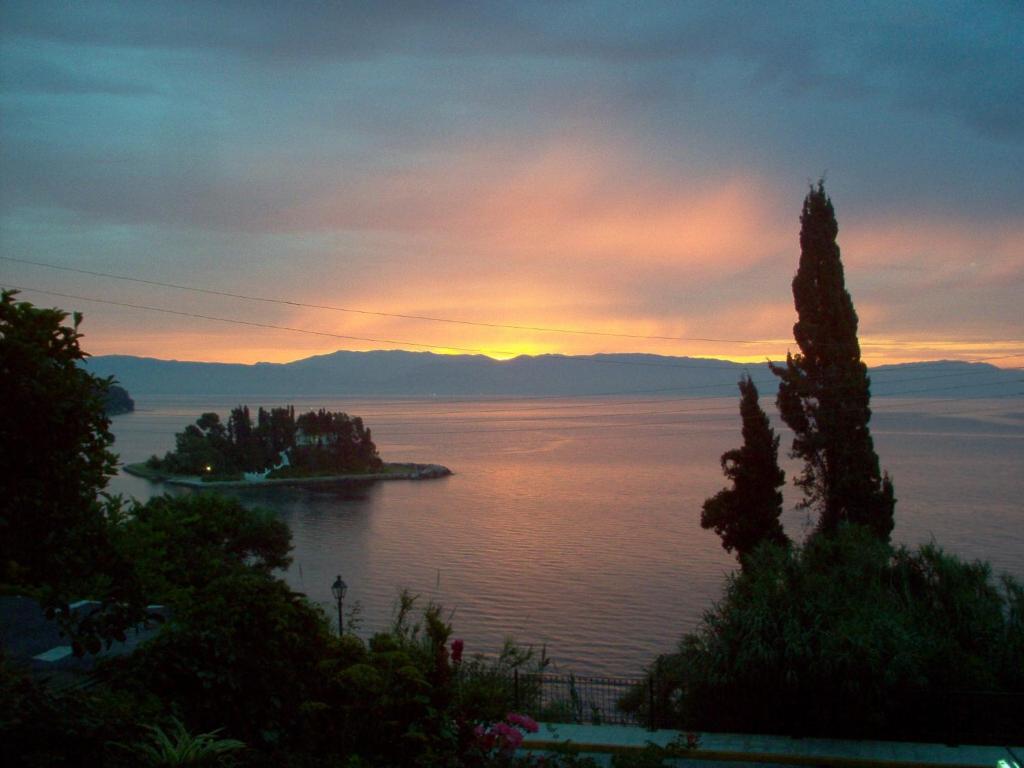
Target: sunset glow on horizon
x: 607, y: 185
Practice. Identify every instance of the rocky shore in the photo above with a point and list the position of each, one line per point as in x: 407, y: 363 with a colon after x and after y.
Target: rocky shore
x: 390, y: 471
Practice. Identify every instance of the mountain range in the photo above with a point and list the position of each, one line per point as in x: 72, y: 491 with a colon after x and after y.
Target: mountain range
x: 425, y: 374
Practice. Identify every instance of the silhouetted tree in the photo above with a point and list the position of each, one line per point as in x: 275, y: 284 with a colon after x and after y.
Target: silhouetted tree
x: 824, y: 390
x: 55, y: 529
x: 335, y: 441
x: 748, y: 513
x: 54, y: 445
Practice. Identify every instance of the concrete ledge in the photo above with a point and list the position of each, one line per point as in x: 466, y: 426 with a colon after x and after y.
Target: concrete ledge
x: 779, y: 750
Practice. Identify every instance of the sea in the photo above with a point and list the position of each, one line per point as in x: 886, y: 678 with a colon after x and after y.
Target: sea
x: 572, y: 525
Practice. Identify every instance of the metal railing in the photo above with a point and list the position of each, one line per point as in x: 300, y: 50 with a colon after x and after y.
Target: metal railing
x: 955, y: 717
x: 574, y: 699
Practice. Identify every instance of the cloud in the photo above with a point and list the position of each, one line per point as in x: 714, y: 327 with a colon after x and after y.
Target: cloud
x: 930, y: 252
x: 945, y: 58
x: 605, y: 166
x: 584, y: 201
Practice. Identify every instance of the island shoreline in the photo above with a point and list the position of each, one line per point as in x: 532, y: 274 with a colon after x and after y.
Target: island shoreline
x: 402, y: 471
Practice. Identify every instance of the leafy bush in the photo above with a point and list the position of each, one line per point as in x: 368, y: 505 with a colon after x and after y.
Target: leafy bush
x: 43, y: 727
x: 847, y: 636
x: 176, y: 746
x: 181, y: 544
x: 242, y: 654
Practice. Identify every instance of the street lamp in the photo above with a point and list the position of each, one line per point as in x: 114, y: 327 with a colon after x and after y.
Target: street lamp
x: 338, y: 588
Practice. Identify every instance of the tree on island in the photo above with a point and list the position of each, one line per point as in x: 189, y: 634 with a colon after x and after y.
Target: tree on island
x: 317, y: 442
x: 748, y: 513
x: 824, y: 390
x: 333, y: 440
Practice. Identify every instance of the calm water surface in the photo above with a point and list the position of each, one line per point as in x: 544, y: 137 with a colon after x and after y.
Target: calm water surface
x: 574, y: 524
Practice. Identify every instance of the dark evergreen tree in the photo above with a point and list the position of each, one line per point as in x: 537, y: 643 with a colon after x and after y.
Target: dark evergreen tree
x: 748, y: 513
x: 824, y: 390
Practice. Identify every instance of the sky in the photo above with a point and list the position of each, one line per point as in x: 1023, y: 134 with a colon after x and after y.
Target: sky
x: 631, y: 170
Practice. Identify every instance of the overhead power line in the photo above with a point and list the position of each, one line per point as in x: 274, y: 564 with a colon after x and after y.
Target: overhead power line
x: 432, y: 318
x: 376, y: 313
x: 347, y: 337
x: 405, y: 343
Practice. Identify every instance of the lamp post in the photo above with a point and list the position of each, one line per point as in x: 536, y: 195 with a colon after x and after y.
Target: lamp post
x: 338, y: 588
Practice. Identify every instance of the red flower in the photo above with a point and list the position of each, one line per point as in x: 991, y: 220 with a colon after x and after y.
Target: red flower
x: 525, y: 722
x: 457, y: 645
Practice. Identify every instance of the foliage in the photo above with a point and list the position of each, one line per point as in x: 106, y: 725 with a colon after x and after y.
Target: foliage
x: 849, y: 636
x: 41, y: 727
x: 242, y: 654
x: 496, y: 743
x: 176, y: 746
x: 846, y: 636
x: 54, y: 450
x: 485, y: 685
x: 411, y: 697
x: 394, y: 703
x: 824, y: 390
x: 334, y: 441
x: 316, y: 442
x: 54, y: 446
x: 180, y: 545
x: 748, y: 513
x: 241, y: 651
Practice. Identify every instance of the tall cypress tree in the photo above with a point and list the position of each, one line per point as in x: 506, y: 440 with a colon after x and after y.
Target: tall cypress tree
x: 748, y: 513
x: 824, y: 390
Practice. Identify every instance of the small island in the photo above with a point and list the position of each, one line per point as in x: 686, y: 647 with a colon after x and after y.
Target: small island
x: 116, y: 401
x: 317, y: 447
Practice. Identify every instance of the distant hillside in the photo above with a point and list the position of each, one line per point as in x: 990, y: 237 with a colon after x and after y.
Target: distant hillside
x: 399, y: 373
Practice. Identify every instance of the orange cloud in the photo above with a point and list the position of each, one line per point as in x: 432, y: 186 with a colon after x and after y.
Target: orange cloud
x: 582, y: 235
x: 937, y: 250
x: 578, y: 202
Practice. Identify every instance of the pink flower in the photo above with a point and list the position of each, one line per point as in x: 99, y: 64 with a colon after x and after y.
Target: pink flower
x: 525, y: 722
x: 457, y: 645
x: 511, y: 737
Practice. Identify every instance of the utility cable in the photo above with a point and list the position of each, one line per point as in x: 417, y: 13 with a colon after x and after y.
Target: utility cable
x: 271, y: 326
x: 430, y: 318
x: 474, y: 350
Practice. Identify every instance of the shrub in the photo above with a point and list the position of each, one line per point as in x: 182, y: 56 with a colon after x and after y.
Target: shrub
x: 847, y: 637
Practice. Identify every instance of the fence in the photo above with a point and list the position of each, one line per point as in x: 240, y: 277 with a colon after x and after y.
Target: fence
x: 956, y: 717
x: 572, y: 699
